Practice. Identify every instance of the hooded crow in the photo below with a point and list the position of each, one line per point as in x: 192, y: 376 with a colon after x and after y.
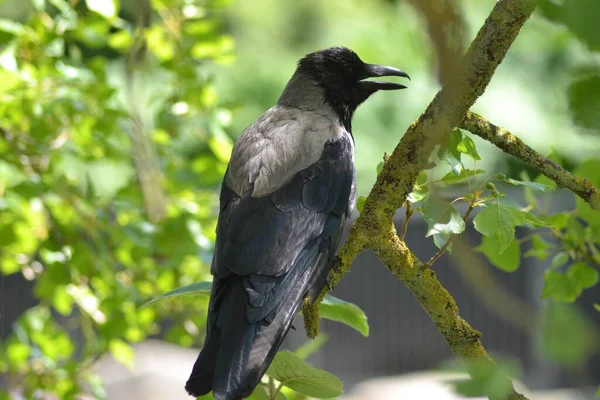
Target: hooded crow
x: 286, y: 195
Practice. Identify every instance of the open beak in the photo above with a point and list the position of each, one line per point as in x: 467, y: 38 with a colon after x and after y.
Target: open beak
x: 373, y: 71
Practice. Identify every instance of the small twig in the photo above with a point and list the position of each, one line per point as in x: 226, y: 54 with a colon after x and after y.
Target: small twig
x: 446, y: 245
x: 407, y: 215
x: 512, y: 145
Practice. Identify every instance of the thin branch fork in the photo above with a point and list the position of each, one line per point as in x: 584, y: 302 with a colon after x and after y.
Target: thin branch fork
x: 514, y: 146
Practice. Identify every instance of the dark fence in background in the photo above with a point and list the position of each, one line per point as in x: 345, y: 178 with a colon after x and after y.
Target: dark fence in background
x: 402, y: 337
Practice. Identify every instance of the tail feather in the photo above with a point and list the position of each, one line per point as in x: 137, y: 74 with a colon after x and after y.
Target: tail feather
x: 236, y: 354
x: 200, y: 381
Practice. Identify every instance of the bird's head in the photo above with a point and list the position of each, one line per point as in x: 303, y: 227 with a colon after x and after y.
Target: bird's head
x: 336, y: 76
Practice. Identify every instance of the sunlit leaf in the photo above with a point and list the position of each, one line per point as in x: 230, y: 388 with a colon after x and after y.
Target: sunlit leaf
x: 539, y: 248
x: 467, y: 146
x: 491, y: 380
x: 448, y: 151
x: 568, y: 337
x: 538, y: 187
x: 558, y: 287
x: 589, y: 169
x: 360, y: 203
x: 464, y: 175
x: 583, y: 276
x: 17, y: 353
x: 579, y: 16
x: 294, y: 373
x: 507, y: 260
x: 197, y: 289
x: 498, y: 222
x: 441, y: 217
x: 559, y: 259
x: 311, y: 346
x: 350, y: 314
x: 122, y: 352
x: 106, y: 8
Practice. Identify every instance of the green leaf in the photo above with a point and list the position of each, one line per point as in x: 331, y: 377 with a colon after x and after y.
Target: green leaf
x: 62, y: 301
x: 221, y: 146
x: 538, y: 187
x: 575, y: 231
x: 448, y: 151
x: 583, y: 276
x: 8, y: 81
x: 539, y: 248
x: 589, y: 169
x: 380, y: 167
x: 311, y: 346
x: 303, y: 378
x: 350, y: 314
x: 420, y: 191
x: 260, y: 393
x: 559, y: 221
x: 440, y: 239
x: 360, y: 203
x: 106, y: 8
x: 584, y: 102
x: 597, y: 307
x: 422, y: 178
x: 17, y: 352
x: 107, y: 177
x: 508, y: 260
x: 15, y: 28
x: 197, y: 289
x: 558, y: 287
x: 467, y: 146
x: 567, y: 336
x: 465, y: 174
x: 491, y: 380
x: 417, y: 195
x: 498, y: 222
x: 534, y: 220
x: 442, y: 217
x: 559, y: 259
x: 579, y: 16
x: 122, y: 352
x: 121, y: 40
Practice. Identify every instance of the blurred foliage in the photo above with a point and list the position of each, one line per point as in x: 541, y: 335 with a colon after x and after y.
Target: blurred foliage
x: 77, y: 94
x: 115, y: 125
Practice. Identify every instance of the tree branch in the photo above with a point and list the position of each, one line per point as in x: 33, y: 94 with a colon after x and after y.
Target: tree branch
x: 374, y: 228
x: 512, y: 145
x: 462, y: 339
x: 447, y: 110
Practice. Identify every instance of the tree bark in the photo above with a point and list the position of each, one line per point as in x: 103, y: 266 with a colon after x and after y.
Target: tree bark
x: 374, y: 228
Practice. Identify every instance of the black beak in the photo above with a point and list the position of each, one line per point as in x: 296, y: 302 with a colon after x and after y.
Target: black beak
x: 373, y: 70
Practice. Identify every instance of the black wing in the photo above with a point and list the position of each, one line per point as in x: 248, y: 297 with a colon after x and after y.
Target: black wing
x: 270, y: 252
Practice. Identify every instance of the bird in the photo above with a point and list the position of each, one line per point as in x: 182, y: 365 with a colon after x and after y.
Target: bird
x: 288, y: 190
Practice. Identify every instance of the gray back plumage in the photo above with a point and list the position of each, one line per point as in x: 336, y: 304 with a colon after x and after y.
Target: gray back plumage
x: 282, y: 142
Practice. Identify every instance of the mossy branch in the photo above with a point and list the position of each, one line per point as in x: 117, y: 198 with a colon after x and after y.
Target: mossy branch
x: 374, y: 228
x: 447, y: 110
x: 514, y: 146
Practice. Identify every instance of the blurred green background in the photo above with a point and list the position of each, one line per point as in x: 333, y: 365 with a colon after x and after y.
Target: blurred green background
x: 116, y: 123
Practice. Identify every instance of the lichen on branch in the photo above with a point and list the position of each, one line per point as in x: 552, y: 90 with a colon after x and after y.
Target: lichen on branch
x: 374, y: 228
x: 514, y: 146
